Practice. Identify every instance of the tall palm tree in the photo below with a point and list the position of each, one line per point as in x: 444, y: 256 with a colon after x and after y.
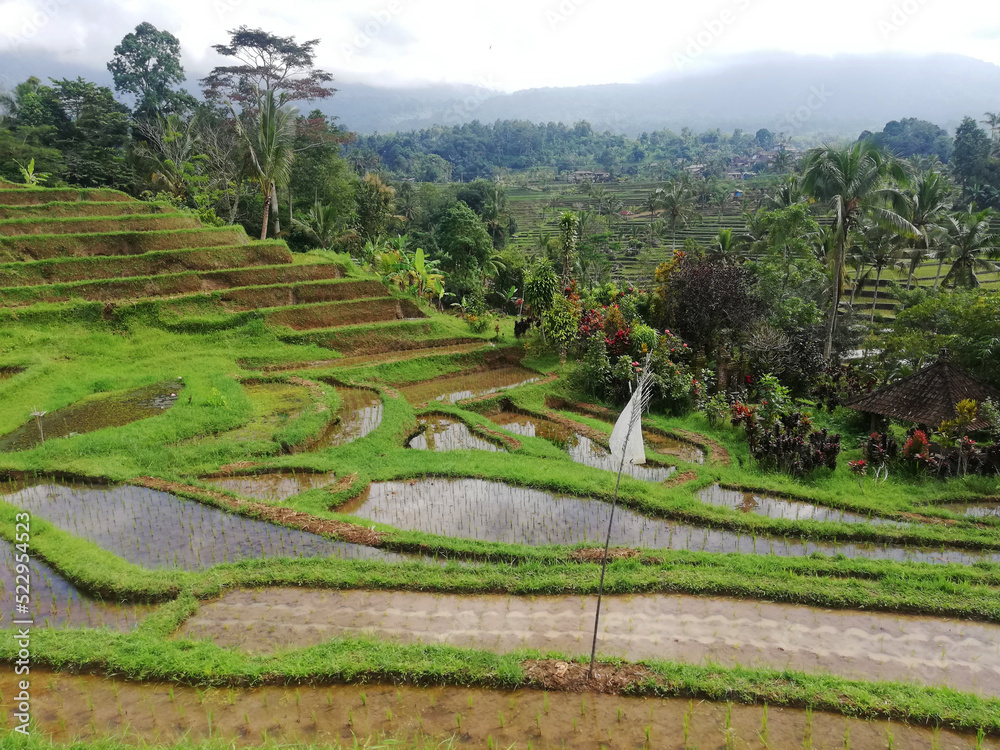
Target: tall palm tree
x: 883, y: 251
x: 925, y: 206
x: 969, y: 240
x: 726, y: 249
x: 993, y: 120
x: 679, y: 208
x: 270, y: 147
x: 855, y: 182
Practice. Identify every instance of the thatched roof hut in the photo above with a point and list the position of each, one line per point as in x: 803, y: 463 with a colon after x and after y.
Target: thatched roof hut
x: 928, y: 396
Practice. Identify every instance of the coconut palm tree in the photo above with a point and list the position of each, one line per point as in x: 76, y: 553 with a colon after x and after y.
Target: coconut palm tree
x: 679, y: 208
x: 725, y: 249
x: 882, y: 250
x: 925, y: 206
x: 270, y: 148
x: 854, y: 181
x: 969, y: 240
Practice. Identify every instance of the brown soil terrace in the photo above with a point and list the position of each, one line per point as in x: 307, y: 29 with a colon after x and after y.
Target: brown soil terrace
x: 596, y: 554
x: 571, y: 677
x: 347, y: 532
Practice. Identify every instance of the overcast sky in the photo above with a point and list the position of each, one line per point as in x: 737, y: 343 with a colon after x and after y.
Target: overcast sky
x: 512, y: 44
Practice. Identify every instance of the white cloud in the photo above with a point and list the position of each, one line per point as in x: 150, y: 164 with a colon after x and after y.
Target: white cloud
x: 514, y: 44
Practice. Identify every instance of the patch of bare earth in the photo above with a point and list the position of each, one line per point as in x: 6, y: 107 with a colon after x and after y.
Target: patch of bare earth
x: 570, y: 677
x: 285, y: 516
x: 596, y: 554
x: 681, y: 478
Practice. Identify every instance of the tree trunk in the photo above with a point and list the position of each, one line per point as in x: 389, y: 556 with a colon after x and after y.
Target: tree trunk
x: 274, y: 209
x: 838, y: 270
x: 267, y: 209
x: 878, y: 276
x: 937, y: 279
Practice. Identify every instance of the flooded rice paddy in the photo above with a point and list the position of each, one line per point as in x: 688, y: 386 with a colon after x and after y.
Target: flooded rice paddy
x: 276, y: 487
x: 159, y: 530
x: 453, y: 388
x: 497, y: 512
x: 974, y: 510
x: 692, y: 629
x: 82, y: 707
x: 773, y: 507
x: 360, y: 414
x: 442, y: 432
x: 93, y: 414
x: 581, y: 449
x: 55, y: 602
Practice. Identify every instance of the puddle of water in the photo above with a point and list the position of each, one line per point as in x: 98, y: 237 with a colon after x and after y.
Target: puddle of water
x: 669, y: 446
x: 496, y: 512
x: 462, y: 386
x: 93, y: 414
x: 446, y: 433
x: 774, y: 507
x: 934, y: 651
x: 83, y: 707
x: 360, y: 414
x: 159, y: 530
x: 273, y: 487
x: 659, y: 443
x: 974, y: 510
x: 581, y: 449
x: 57, y: 602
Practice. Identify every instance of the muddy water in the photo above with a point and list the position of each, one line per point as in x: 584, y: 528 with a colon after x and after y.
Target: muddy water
x: 673, y: 447
x: 55, y: 601
x: 68, y: 707
x: 405, y: 354
x: 93, y: 414
x: 454, y: 388
x: 974, y: 510
x: 360, y: 414
x: 774, y: 507
x: 581, y: 449
x: 159, y: 530
x: 858, y: 645
x: 496, y: 512
x: 273, y: 487
x: 444, y: 433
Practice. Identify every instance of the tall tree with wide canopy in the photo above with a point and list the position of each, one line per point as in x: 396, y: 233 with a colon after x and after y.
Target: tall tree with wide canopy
x: 147, y: 64
x: 855, y: 182
x: 271, y: 150
x: 266, y: 62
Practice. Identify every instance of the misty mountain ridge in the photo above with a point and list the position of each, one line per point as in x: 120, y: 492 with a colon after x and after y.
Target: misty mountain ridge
x: 790, y: 94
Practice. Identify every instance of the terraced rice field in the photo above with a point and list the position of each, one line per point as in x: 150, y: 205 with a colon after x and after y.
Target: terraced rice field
x: 280, y: 505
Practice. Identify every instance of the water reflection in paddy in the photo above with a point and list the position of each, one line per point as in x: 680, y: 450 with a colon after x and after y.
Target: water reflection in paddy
x: 160, y: 530
x: 54, y: 601
x: 581, y: 449
x: 93, y: 414
x: 462, y: 386
x: 773, y: 507
x: 496, y: 512
x: 445, y: 433
x: 275, y: 487
x: 360, y: 414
